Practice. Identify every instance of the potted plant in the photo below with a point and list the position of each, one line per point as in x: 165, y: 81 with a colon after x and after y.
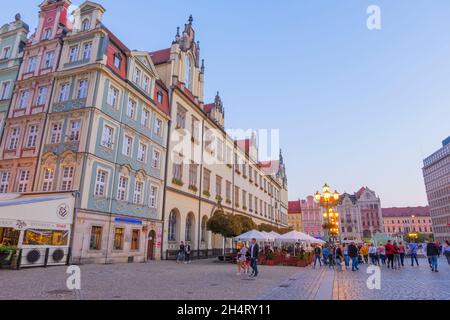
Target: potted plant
x: 6, y: 255
x: 269, y: 258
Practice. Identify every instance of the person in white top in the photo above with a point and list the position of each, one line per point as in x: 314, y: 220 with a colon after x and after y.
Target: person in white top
x: 242, y: 260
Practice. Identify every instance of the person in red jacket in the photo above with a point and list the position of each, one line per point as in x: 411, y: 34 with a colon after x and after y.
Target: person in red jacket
x: 390, y: 250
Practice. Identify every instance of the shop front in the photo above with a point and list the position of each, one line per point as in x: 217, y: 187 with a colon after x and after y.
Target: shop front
x: 39, y: 226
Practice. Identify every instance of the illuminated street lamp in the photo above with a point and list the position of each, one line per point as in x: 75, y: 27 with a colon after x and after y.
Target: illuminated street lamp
x: 328, y: 201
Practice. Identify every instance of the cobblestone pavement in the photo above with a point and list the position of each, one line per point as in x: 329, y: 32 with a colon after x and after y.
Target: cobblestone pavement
x: 208, y: 279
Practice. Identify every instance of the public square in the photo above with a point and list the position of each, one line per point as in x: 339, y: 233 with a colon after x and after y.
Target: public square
x: 212, y: 280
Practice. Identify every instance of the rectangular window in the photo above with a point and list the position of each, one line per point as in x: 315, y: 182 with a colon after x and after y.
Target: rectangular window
x: 96, y: 238
x: 158, y: 127
x: 244, y: 198
x: 64, y: 92
x: 159, y: 97
x: 181, y: 117
x: 195, y: 129
x: 24, y: 177
x: 48, y: 60
x: 138, y: 188
x: 219, y: 186
x: 206, y: 180
x: 193, y: 175
x: 250, y: 202
x: 41, y: 96
x: 73, y: 54
x: 153, y: 201
x: 137, y: 76
x: 118, y: 239
x: 113, y: 96
x: 82, y: 89
x: 131, y: 108
x: 23, y: 99
x: 256, y: 205
x: 145, y: 120
x: 14, y: 138
x: 100, y: 183
x: 47, y: 183
x: 67, y: 179
x: 122, y: 189
x: 47, y: 34
x: 117, y: 60
x: 156, y: 159
x: 4, y: 90
x: 32, y: 64
x: 87, y: 51
x: 74, y: 130
x: 56, y: 133
x: 6, y: 53
x: 236, y: 196
x: 127, y: 145
x: 135, y: 240
x: 177, y: 170
x: 107, y: 137
x: 45, y: 237
x: 228, y: 191
x: 146, y: 85
x: 4, y: 181
x: 142, y: 152
x: 32, y: 136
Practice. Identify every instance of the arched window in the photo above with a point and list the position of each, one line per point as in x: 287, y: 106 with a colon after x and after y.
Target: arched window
x: 188, y: 72
x: 204, y: 221
x: 188, y: 228
x: 85, y: 25
x: 172, y: 226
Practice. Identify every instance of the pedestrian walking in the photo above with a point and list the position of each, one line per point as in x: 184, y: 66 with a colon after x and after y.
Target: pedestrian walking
x: 242, y: 260
x: 433, y: 253
x: 325, y: 253
x: 365, y: 253
x: 346, y: 257
x: 397, y: 263
x: 181, y: 253
x: 413, y: 252
x: 331, y: 257
x: 187, y: 252
x: 340, y: 257
x: 446, y: 251
x: 317, y: 256
x: 254, y: 252
x: 401, y: 249
x: 373, y: 254
x: 381, y: 250
x: 354, y: 255
x: 390, y: 254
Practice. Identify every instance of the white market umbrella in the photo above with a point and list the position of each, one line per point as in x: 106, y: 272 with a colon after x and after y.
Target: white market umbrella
x: 274, y: 234
x: 269, y: 236
x: 294, y: 236
x: 253, y: 234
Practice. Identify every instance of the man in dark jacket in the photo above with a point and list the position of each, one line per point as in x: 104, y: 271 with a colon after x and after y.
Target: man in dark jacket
x: 353, y: 254
x: 254, y: 251
x: 433, y: 253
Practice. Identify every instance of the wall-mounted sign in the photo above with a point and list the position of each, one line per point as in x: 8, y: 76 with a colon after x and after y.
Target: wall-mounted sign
x: 62, y: 211
x: 128, y: 220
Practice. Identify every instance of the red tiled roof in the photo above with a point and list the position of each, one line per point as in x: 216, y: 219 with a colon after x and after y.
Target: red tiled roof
x: 294, y: 207
x: 405, y: 212
x: 160, y: 56
x: 208, y: 107
x: 360, y: 192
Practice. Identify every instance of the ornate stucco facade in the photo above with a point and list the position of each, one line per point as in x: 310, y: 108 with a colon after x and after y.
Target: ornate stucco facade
x: 370, y: 206
x: 350, y: 217
x: 207, y: 168
x: 12, y: 40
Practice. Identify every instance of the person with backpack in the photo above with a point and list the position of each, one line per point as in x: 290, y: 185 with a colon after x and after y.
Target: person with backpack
x: 317, y: 256
x: 433, y: 254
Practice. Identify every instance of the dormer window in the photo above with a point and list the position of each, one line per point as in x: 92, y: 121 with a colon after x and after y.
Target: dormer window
x: 47, y: 34
x: 85, y: 25
x: 137, y: 76
x: 160, y: 97
x: 117, y: 60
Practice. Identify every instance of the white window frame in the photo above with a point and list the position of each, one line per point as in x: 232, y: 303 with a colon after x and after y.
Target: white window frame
x: 6, y: 53
x: 122, y: 188
x: 153, y: 196
x: 41, y: 98
x: 5, y: 90
x: 145, y: 119
x: 68, y: 174
x: 131, y: 108
x: 33, y: 131
x: 4, y: 181
x: 113, y: 96
x: 87, y: 49
x: 101, y: 182
x: 138, y: 191
x: 31, y: 67
x: 156, y: 159
x: 142, y: 152
x: 49, y: 58
x: 127, y: 147
x: 74, y: 132
x: 47, y: 34
x: 64, y: 91
x: 158, y: 129
x: 107, y: 136
x: 83, y: 86
x: 47, y: 180
x: 24, y: 179
x: 14, y: 137
x: 73, y: 53
x: 23, y: 99
x: 56, y: 132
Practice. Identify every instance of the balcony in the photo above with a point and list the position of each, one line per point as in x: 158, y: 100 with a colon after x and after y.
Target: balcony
x: 69, y: 105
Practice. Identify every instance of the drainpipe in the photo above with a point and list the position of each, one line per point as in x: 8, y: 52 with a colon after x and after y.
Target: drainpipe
x: 75, y: 217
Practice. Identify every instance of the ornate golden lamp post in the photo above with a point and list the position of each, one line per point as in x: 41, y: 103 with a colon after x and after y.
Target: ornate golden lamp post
x: 328, y: 201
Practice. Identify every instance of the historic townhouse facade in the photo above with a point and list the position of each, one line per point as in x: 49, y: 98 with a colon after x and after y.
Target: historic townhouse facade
x: 207, y: 170
x: 106, y: 137
x: 295, y: 215
x: 12, y: 41
x: 350, y: 216
x: 402, y: 221
x: 312, y: 219
x: 27, y: 115
x: 370, y: 206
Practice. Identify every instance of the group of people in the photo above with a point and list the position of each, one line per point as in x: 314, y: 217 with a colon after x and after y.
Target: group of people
x: 247, y: 258
x: 391, y: 254
x: 184, y: 253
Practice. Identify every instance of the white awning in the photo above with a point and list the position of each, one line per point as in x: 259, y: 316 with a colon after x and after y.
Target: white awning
x: 253, y: 234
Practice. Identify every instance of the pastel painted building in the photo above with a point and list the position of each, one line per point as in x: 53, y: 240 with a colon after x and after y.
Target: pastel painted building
x: 350, y: 217
x: 312, y: 218
x: 295, y: 215
x: 21, y: 142
x: 207, y: 170
x: 106, y: 137
x: 370, y: 208
x: 401, y: 221
x: 12, y: 41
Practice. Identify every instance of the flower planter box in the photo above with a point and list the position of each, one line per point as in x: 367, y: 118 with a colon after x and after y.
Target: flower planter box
x: 5, y: 260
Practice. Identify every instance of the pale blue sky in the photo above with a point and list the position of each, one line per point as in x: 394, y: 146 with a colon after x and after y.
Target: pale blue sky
x: 355, y: 107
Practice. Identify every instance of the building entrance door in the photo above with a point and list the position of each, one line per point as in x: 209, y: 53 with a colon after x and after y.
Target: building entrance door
x: 151, y: 245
